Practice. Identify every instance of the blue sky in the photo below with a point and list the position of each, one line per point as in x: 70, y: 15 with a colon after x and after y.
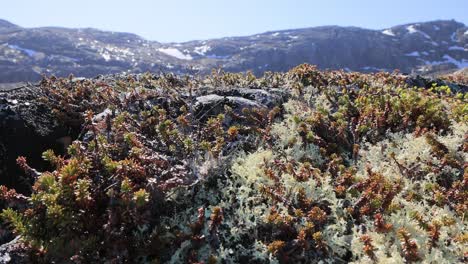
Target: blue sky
x: 183, y: 20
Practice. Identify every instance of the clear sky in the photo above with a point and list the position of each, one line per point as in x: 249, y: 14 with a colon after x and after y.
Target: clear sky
x: 183, y: 20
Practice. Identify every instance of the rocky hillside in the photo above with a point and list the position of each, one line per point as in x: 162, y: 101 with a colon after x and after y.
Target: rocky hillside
x: 305, y: 166
x: 26, y: 53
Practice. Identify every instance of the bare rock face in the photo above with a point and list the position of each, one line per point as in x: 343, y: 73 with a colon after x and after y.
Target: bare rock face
x: 27, y: 128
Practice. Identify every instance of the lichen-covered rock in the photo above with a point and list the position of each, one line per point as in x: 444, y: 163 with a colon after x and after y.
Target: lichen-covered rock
x: 211, y: 105
x: 269, y: 97
x: 238, y: 99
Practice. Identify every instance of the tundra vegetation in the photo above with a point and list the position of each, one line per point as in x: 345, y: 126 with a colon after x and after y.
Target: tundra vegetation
x: 350, y: 167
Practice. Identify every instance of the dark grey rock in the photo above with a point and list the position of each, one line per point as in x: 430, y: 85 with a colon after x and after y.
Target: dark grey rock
x: 27, y: 128
x: 269, y: 97
x: 14, y: 252
x: 211, y: 105
x: 426, y: 82
x: 237, y: 99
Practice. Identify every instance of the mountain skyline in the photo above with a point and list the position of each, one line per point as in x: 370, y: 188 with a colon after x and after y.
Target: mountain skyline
x: 183, y: 20
x: 424, y: 47
x: 8, y: 23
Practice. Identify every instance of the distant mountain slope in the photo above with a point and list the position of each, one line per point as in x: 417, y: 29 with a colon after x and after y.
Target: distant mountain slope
x: 26, y: 53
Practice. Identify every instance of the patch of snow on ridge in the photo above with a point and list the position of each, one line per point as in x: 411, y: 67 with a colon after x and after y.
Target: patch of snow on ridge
x: 413, y: 54
x: 123, y: 51
x: 175, y: 53
x: 448, y: 59
x: 30, y: 52
x: 453, y: 37
x: 460, y: 64
x: 388, y: 32
x: 214, y: 56
x: 201, y: 50
x: 466, y: 33
x: 106, y: 56
x: 456, y: 48
x: 425, y: 35
x: 275, y: 34
x: 372, y: 68
x: 436, y: 27
x: 412, y: 29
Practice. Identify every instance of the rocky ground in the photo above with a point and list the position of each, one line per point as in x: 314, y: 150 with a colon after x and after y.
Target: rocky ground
x: 291, y: 167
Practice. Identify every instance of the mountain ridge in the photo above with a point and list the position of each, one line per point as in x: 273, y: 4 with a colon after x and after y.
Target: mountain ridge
x: 424, y: 47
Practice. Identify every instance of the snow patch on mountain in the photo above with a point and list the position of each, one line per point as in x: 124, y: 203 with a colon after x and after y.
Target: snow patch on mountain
x: 453, y: 37
x: 29, y: 52
x: 460, y: 64
x: 425, y: 34
x: 214, y: 56
x: 202, y: 50
x: 412, y: 30
x: 448, y: 59
x: 413, y: 54
x: 388, y: 32
x: 456, y: 48
x: 122, y: 51
x: 106, y: 56
x: 372, y: 68
x: 173, y: 52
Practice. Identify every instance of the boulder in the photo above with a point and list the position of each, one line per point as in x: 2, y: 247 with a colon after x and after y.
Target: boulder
x: 269, y: 97
x: 28, y: 127
x: 211, y: 105
x: 237, y: 98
